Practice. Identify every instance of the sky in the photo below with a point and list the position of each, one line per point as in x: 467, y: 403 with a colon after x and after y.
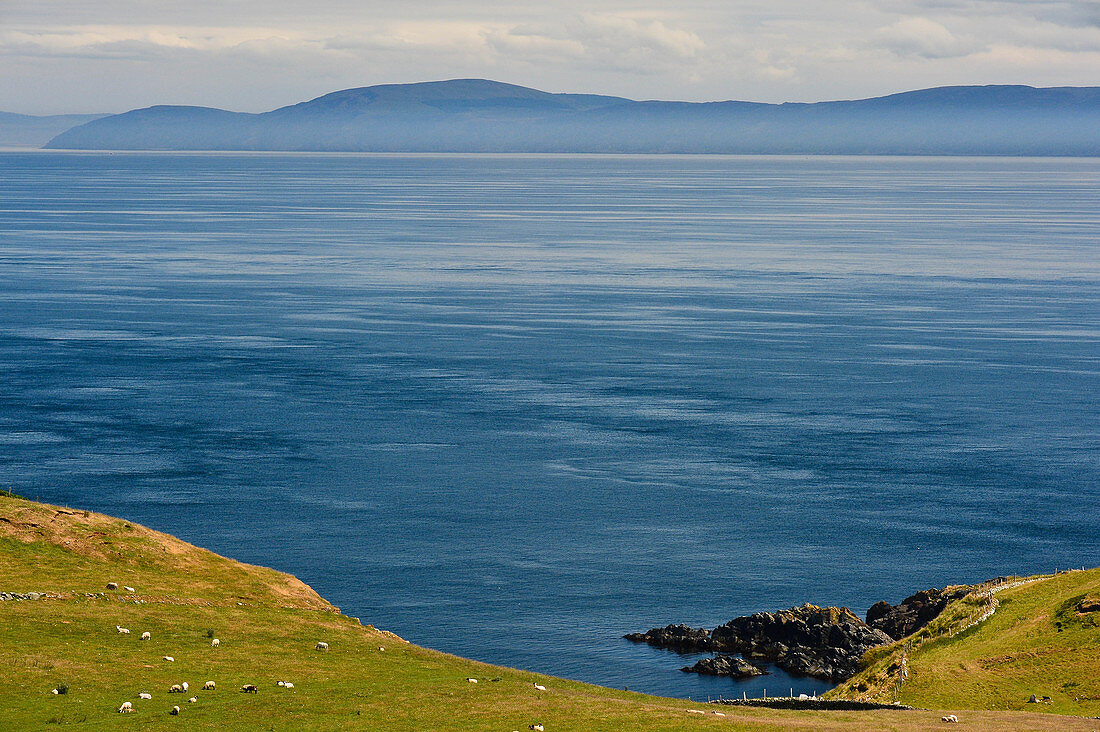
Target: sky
x: 68, y: 56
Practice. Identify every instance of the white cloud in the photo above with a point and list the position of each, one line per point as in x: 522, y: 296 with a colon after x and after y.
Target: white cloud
x: 253, y: 55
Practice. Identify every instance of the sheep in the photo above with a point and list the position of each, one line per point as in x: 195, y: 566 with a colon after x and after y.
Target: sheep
x: 185, y: 686
x: 472, y: 681
x: 169, y: 658
x: 192, y: 700
x: 215, y: 643
x: 719, y: 714
x: 540, y: 687
x: 146, y: 635
x: 322, y: 646
x: 129, y: 589
x: 280, y: 683
x: 288, y: 685
x: 382, y: 648
x: 112, y: 585
x: 126, y: 708
x: 174, y: 711
x: 124, y: 631
x: 950, y: 719
x: 208, y: 686
x: 145, y: 695
x: 536, y: 727
x: 175, y: 689
x: 695, y: 711
x: 250, y: 689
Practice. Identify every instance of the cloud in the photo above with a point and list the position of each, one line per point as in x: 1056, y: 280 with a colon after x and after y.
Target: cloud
x: 918, y: 36
x: 255, y: 55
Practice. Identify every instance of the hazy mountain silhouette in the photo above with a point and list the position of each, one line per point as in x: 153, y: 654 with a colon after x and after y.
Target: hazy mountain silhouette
x: 475, y: 115
x: 25, y: 130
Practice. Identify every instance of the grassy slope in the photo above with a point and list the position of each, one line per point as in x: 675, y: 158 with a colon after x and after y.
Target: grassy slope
x: 1035, y: 643
x: 268, y: 624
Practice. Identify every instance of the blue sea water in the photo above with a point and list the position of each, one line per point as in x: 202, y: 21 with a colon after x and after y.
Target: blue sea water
x: 513, y: 407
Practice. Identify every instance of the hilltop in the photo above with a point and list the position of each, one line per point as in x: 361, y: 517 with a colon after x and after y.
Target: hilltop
x: 478, y: 115
x: 61, y: 634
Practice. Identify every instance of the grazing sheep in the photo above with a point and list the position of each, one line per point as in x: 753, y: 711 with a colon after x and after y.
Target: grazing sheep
x: 950, y: 719
x: 128, y: 589
x: 192, y: 700
x: 215, y: 643
x: 169, y: 658
x: 146, y: 635
x: 208, y: 686
x: 288, y: 685
x: 112, y: 585
x: 126, y: 708
x: 536, y: 727
x: 145, y: 695
x: 54, y: 691
x: 540, y: 687
x: 250, y: 689
x: 174, y: 711
x: 120, y: 629
x: 472, y: 681
x: 719, y: 714
x: 381, y: 648
x: 322, y: 646
x: 185, y: 686
x: 280, y: 683
x: 175, y: 689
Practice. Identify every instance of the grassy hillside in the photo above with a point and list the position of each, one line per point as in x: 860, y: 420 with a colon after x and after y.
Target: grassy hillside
x: 268, y: 624
x: 1036, y: 642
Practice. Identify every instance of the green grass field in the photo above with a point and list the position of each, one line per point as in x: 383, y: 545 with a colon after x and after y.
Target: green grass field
x: 1035, y: 643
x: 269, y: 623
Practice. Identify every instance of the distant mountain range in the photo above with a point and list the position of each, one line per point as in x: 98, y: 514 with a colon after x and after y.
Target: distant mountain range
x: 476, y: 115
x: 28, y: 131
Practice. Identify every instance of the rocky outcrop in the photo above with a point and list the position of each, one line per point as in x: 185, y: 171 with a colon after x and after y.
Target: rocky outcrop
x: 732, y: 666
x: 824, y: 642
x: 914, y: 612
x: 680, y: 637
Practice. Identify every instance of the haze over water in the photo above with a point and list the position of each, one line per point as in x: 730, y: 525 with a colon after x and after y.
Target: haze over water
x: 513, y: 407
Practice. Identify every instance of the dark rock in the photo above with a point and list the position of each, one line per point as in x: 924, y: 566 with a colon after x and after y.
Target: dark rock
x: 737, y: 668
x: 826, y: 643
x: 914, y: 612
x: 675, y: 637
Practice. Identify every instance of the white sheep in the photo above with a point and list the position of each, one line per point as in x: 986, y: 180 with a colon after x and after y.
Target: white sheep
x: 208, y: 686
x: 126, y: 707
x: 124, y: 631
x: 129, y: 589
x: 536, y: 727
x: 381, y: 648
x: 280, y: 683
x: 472, y: 681
x: 192, y: 700
x: 145, y: 695
x: 215, y: 643
x: 112, y: 585
x: 146, y: 635
x: 174, y: 711
x: 951, y: 719
x: 322, y: 646
x: 185, y: 686
x: 169, y: 658
x: 695, y: 711
x: 540, y: 687
x: 719, y: 714
x: 288, y: 685
x: 175, y: 689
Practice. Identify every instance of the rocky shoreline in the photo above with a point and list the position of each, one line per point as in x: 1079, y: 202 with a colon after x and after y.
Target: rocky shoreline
x: 823, y: 642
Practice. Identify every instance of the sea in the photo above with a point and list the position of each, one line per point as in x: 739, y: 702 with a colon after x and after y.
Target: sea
x: 513, y: 407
